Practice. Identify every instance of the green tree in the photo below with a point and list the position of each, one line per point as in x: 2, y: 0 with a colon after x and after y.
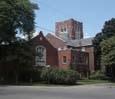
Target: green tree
x: 108, y: 31
x: 16, y: 18
x: 18, y: 58
x: 97, y: 50
x: 108, y: 54
x: 109, y: 28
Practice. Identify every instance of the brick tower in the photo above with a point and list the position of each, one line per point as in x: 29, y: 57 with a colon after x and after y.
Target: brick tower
x: 69, y: 29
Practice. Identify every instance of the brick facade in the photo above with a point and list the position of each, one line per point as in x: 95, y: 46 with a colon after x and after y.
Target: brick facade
x: 56, y: 54
x: 51, y: 52
x: 71, y: 29
x: 90, y: 50
x: 75, y: 59
x: 72, y: 52
x: 67, y: 54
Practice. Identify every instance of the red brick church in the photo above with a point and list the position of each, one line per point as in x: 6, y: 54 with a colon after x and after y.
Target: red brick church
x: 66, y: 49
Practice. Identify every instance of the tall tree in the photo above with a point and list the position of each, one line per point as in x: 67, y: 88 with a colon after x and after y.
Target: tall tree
x: 108, y: 31
x: 97, y: 50
x: 16, y: 18
x: 109, y: 28
x: 108, y: 54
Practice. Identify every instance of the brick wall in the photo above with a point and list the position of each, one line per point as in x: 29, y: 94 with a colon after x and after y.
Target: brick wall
x: 66, y: 53
x: 51, y: 52
x: 73, y: 63
x: 72, y: 26
x: 81, y: 60
x: 90, y: 50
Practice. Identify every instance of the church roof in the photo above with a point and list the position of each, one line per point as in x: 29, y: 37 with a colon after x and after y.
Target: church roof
x: 81, y: 42
x: 55, y: 41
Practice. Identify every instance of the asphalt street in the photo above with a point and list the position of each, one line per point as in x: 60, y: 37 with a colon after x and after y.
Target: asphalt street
x: 70, y: 92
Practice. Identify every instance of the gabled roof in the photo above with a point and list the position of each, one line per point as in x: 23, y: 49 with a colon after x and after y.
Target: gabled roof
x: 81, y: 42
x: 55, y: 41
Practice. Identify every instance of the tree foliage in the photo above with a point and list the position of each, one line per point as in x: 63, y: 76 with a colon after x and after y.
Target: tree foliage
x: 97, y: 50
x: 109, y: 28
x: 59, y: 76
x: 16, y: 17
x: 15, y: 59
x: 108, y: 56
x: 108, y: 51
x: 108, y: 31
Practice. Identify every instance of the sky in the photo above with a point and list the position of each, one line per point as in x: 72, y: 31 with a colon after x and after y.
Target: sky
x: 92, y: 13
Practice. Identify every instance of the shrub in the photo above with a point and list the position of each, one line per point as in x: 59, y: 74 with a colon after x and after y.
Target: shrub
x: 59, y: 76
x: 32, y: 75
x: 35, y: 75
x: 98, y: 75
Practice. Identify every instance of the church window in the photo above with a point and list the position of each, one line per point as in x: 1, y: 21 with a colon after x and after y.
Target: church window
x: 64, y: 60
x: 40, y: 56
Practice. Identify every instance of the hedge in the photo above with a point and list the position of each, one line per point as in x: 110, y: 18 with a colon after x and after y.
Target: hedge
x: 59, y: 76
x: 98, y: 75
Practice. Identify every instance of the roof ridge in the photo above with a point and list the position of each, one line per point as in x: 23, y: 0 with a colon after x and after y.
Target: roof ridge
x: 56, y: 37
x: 82, y: 39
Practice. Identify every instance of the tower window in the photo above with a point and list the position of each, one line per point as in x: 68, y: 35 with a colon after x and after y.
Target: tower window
x: 63, y: 29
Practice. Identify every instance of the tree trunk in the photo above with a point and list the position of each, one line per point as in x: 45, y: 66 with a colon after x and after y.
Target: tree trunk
x: 113, y: 73
x: 16, y: 75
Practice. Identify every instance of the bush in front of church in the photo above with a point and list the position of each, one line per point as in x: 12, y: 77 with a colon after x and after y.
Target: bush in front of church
x: 59, y: 76
x: 98, y: 75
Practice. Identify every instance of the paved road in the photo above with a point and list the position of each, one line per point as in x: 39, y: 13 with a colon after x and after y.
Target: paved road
x: 74, y: 92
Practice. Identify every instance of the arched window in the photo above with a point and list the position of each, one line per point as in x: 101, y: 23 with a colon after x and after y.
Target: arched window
x: 40, y: 55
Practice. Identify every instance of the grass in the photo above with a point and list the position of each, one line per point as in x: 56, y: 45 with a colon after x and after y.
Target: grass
x: 80, y: 82
x: 84, y: 82
x: 38, y: 84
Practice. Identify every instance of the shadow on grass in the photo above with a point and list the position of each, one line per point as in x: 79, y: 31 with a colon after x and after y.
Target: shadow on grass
x: 34, y: 84
x: 80, y: 82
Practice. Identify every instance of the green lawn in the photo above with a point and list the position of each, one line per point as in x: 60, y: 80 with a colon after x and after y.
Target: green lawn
x: 80, y: 82
x: 84, y: 82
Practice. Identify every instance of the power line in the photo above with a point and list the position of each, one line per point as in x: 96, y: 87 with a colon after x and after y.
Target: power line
x: 45, y: 29
x: 54, y: 9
